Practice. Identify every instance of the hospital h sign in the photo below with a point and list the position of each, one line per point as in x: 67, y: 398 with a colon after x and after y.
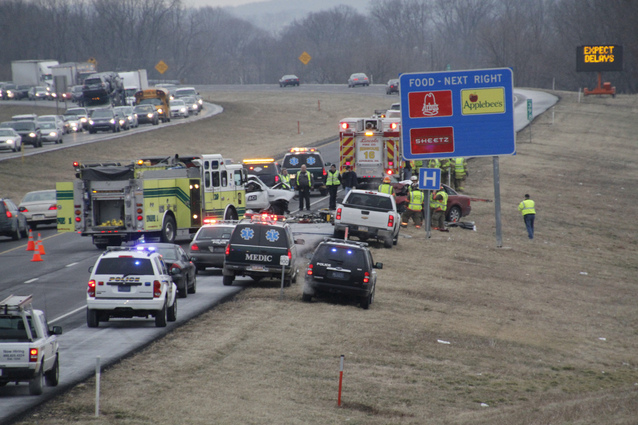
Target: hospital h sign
x: 429, y: 178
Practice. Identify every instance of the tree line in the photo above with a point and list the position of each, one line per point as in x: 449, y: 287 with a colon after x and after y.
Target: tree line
x: 537, y: 38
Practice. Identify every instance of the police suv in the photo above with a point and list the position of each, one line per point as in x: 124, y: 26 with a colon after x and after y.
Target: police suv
x: 128, y: 282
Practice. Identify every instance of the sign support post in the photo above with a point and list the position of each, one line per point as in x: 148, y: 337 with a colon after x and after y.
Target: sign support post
x: 497, y: 202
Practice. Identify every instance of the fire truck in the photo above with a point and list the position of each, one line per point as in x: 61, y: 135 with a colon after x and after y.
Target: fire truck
x: 165, y: 198
x: 372, y: 146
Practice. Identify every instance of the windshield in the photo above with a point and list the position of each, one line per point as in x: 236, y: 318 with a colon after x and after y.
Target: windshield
x: 154, y: 101
x: 75, y: 112
x: 102, y: 113
x: 178, y: 103
x: 40, y: 196
x: 125, y: 266
x: 143, y: 108
x: 185, y: 92
x: 6, y: 133
x: 47, y: 125
x: 12, y: 329
x: 214, y: 233
x: 24, y: 125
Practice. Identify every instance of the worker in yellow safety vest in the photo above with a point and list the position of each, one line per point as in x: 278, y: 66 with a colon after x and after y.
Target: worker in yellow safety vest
x: 416, y: 198
x: 438, y: 206
x: 386, y: 187
x: 460, y: 173
x: 434, y: 163
x: 285, y: 178
x: 445, y: 170
x: 333, y: 181
x: 528, y: 209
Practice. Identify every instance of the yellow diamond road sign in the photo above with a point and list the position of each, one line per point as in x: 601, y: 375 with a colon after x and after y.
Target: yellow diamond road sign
x: 161, y: 67
x: 305, y: 58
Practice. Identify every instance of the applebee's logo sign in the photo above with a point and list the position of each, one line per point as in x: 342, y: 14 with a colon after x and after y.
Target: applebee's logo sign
x: 430, y: 107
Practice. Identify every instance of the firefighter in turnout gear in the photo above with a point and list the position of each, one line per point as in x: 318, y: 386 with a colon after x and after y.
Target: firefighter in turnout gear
x: 446, y: 163
x: 386, y: 187
x: 415, y: 205
x: 333, y: 181
x: 460, y: 173
x: 438, y: 206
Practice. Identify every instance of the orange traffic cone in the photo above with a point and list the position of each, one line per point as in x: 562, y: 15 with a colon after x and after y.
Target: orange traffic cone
x: 36, y: 253
x: 30, y: 244
x: 40, y: 245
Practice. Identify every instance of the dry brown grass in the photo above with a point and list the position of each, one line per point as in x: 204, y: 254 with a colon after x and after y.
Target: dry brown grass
x: 530, y: 334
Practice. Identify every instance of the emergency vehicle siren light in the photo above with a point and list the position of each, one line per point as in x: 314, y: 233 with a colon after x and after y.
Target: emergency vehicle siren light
x: 344, y: 126
x: 257, y: 160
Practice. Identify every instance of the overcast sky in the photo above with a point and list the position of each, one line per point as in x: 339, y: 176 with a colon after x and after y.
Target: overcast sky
x: 215, y: 3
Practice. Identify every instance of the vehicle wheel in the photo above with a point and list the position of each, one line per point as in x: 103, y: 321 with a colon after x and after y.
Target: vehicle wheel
x: 228, y: 280
x: 388, y: 242
x: 52, y: 377
x: 40, y: 143
x: 160, y: 318
x: 156, y: 122
x: 366, y: 301
x: 92, y: 320
x: 287, y: 282
x: 25, y: 232
x: 231, y: 214
x: 256, y: 278
x: 193, y: 288
x: 454, y: 215
x: 294, y: 278
x: 91, y: 131
x: 338, y: 234
x: 35, y: 385
x: 183, y: 292
x: 16, y: 236
x: 395, y: 240
x: 172, y: 312
x: 306, y: 298
x: 168, y: 230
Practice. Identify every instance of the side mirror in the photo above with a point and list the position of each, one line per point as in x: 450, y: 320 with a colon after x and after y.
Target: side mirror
x: 191, y: 236
x: 175, y: 270
x: 378, y: 265
x: 91, y: 269
x: 56, y: 330
x: 300, y: 241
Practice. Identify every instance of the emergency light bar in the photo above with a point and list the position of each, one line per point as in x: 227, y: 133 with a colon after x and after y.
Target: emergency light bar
x: 298, y: 150
x: 257, y: 160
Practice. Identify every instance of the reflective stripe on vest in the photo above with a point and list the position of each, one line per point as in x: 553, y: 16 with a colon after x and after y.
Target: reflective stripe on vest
x: 442, y: 204
x: 385, y: 188
x: 434, y: 163
x: 416, y: 200
x: 333, y: 179
x: 459, y: 168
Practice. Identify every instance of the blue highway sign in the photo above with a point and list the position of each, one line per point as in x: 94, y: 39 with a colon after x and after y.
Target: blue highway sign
x: 457, y: 114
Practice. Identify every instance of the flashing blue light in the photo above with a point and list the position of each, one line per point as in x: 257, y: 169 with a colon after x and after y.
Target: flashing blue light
x: 349, y: 252
x: 333, y: 250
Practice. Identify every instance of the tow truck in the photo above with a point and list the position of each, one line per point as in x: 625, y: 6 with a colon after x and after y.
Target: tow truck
x: 165, y: 197
x: 28, y: 347
x: 372, y: 146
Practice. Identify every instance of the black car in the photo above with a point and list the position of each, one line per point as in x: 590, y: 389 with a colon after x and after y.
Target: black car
x: 256, y: 249
x: 104, y: 120
x: 28, y: 130
x: 392, y: 86
x: 265, y: 168
x: 146, y: 114
x: 289, y: 80
x: 344, y: 268
x: 179, y: 265
x: 208, y: 248
x: 12, y: 222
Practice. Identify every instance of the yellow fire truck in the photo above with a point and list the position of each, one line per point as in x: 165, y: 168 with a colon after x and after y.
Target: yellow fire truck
x: 372, y: 146
x: 168, y: 198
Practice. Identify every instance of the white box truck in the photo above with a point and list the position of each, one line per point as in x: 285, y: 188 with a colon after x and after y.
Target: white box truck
x: 33, y: 72
x: 134, y: 81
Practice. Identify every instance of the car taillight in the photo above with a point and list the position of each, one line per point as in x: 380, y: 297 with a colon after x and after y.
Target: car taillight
x: 53, y: 207
x: 33, y: 355
x: 194, y: 247
x: 91, y: 290
x: 23, y: 209
x: 309, y: 270
x: 366, y: 277
x: 9, y: 215
x: 227, y: 249
x: 391, y: 221
x: 289, y: 255
x: 157, y: 289
x: 276, y: 179
x: 338, y: 215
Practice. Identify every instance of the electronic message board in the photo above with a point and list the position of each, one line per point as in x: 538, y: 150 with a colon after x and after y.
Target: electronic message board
x: 457, y: 114
x: 601, y: 58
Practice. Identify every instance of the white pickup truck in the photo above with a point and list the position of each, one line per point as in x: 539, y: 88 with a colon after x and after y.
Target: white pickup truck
x: 368, y: 214
x: 28, y: 348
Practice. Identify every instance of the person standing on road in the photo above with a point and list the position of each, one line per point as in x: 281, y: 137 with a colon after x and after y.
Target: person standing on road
x: 285, y: 178
x: 386, y: 186
x: 460, y: 173
x: 349, y: 179
x: 438, y: 206
x: 415, y: 205
x: 304, y: 181
x: 333, y: 181
x: 527, y: 208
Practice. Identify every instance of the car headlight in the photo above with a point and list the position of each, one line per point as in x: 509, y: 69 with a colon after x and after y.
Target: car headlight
x: 112, y: 121
x: 150, y: 115
x: 160, y: 111
x: 53, y: 134
x: 83, y: 119
x: 182, y: 110
x: 91, y: 122
x: 200, y: 101
x: 32, y: 135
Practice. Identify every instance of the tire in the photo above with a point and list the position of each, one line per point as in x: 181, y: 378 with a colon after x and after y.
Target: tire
x: 193, y: 288
x: 160, y: 318
x: 52, y: 377
x: 231, y: 214
x: 388, y: 242
x: 92, y: 320
x: 168, y: 230
x: 101, y: 246
x: 25, y: 232
x: 228, y: 280
x: 17, y: 235
x: 172, y: 312
x: 395, y: 241
x: 454, y: 215
x: 256, y: 278
x: 366, y: 301
x: 35, y: 385
x: 338, y: 234
x: 183, y: 292
x: 306, y: 298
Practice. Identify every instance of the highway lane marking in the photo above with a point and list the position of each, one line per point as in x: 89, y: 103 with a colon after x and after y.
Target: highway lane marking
x: 25, y: 245
x: 32, y: 280
x: 67, y: 314
x: 70, y: 265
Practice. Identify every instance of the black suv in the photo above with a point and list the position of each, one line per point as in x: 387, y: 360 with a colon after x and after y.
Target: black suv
x: 344, y: 268
x: 265, y: 168
x: 294, y: 159
x: 255, y: 249
x: 12, y: 222
x: 104, y: 120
